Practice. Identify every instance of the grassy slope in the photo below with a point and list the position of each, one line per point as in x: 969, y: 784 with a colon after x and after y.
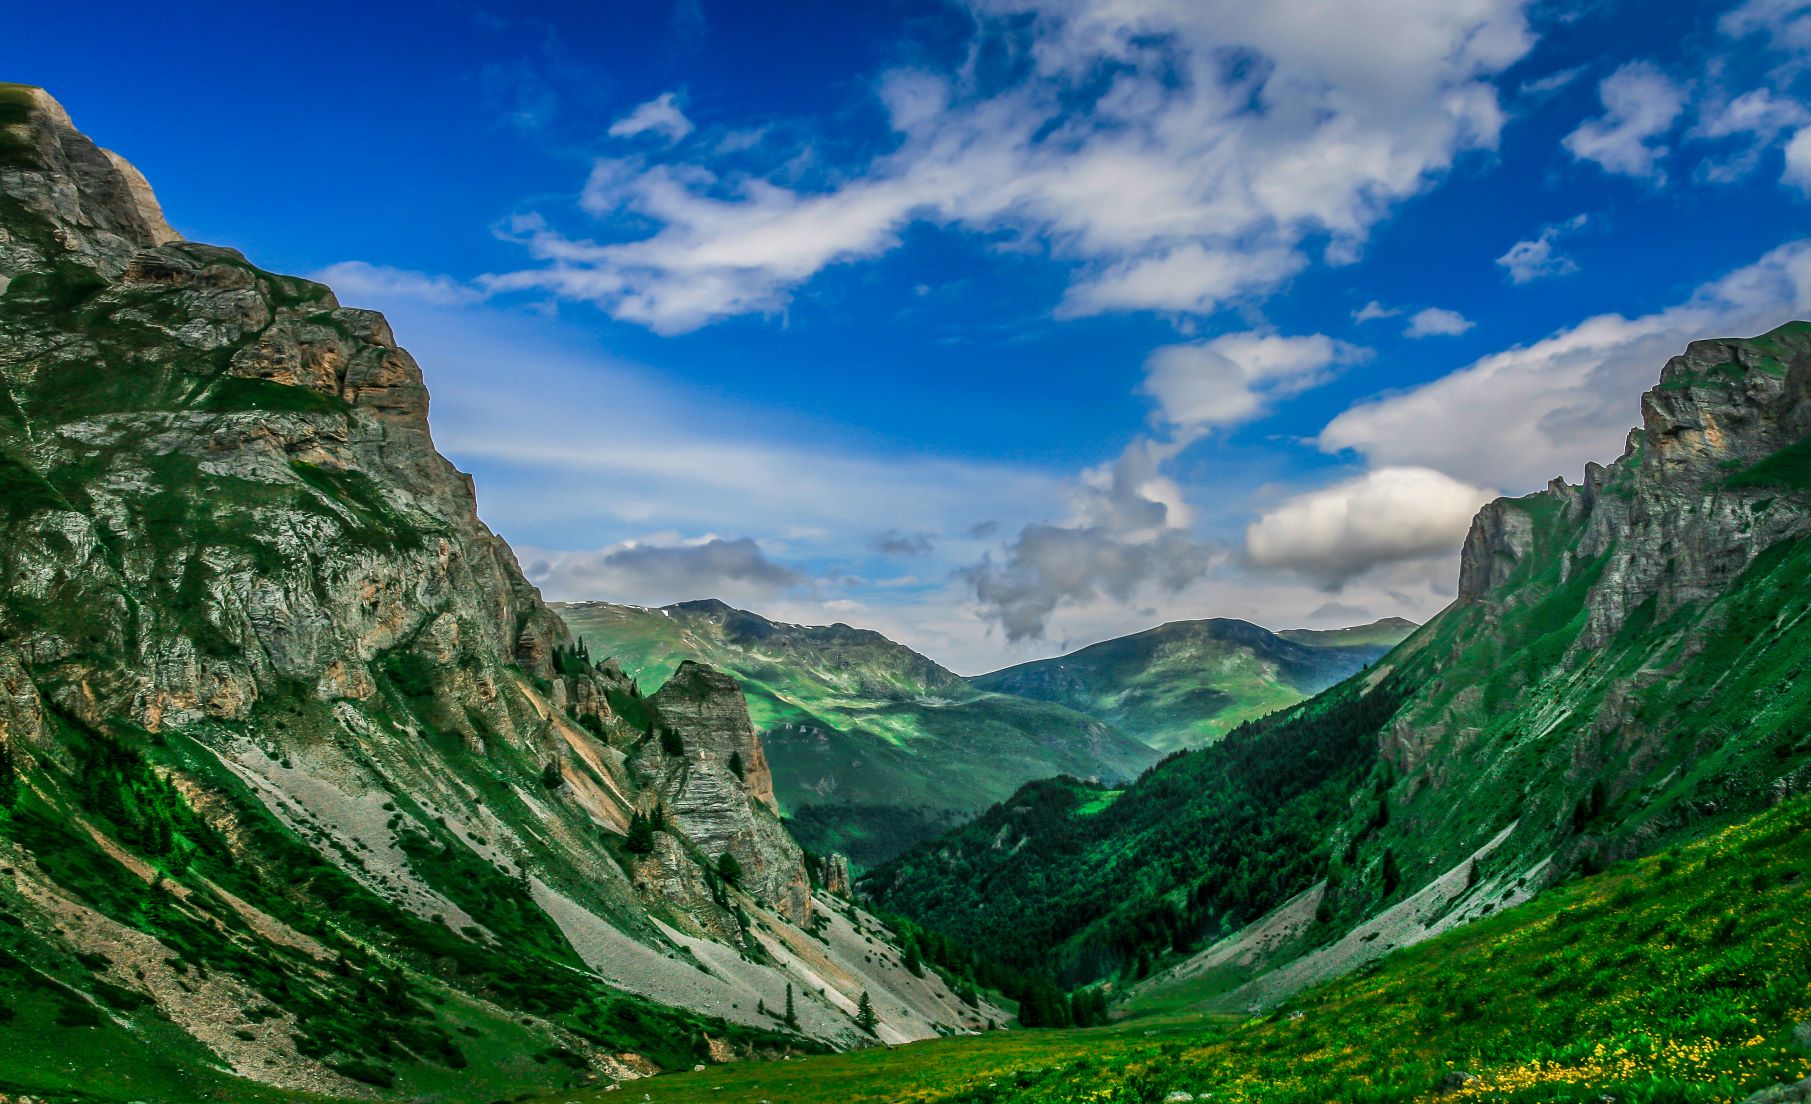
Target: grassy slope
x: 873, y: 746
x: 1189, y: 683
x: 1677, y: 977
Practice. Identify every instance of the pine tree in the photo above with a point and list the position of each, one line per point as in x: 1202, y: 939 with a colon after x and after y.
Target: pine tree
x: 550, y: 775
x: 864, y: 1013
x: 792, y: 1016
x: 640, y: 840
x: 914, y: 959
x: 729, y: 869
x: 1392, y: 877
x: 735, y: 765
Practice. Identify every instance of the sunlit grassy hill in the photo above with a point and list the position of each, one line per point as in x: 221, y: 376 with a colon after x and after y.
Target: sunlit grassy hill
x: 1685, y: 976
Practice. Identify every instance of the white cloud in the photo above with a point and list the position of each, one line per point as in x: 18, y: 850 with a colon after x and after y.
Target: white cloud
x: 1374, y: 310
x: 1759, y: 117
x: 1798, y: 161
x: 1234, y: 377
x: 353, y: 281
x: 660, y: 573
x: 660, y: 115
x: 1133, y: 147
x: 1390, y: 515
x: 1517, y: 418
x: 1436, y: 322
x: 1536, y: 258
x: 1787, y: 23
x: 1640, y: 104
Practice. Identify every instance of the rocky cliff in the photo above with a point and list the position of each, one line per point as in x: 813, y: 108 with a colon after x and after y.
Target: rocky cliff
x: 278, y: 702
x: 1620, y: 669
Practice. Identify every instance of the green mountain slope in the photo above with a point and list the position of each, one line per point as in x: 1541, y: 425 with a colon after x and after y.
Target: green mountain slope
x: 1685, y: 976
x: 873, y: 746
x: 1189, y: 683
x: 302, y: 787
x: 1621, y: 666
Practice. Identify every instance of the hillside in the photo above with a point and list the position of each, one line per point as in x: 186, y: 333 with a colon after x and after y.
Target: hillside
x: 1189, y: 683
x: 1685, y: 977
x: 302, y: 787
x: 873, y: 746
x: 1619, y: 670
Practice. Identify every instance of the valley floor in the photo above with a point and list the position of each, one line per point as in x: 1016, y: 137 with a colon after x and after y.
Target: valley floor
x: 1684, y: 977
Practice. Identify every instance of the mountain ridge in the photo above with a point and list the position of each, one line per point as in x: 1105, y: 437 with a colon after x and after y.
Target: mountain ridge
x: 874, y: 745
x: 1185, y: 683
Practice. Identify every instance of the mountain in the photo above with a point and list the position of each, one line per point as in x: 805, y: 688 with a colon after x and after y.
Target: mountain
x: 874, y: 747
x: 1620, y: 670
x: 302, y: 787
x: 1190, y: 682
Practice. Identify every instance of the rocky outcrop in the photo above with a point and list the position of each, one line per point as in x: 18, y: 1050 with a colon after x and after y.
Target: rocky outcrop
x: 836, y: 875
x: 706, y: 766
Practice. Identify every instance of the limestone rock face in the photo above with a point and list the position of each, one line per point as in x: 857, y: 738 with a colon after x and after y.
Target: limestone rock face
x: 836, y: 875
x: 256, y: 643
x: 714, y: 807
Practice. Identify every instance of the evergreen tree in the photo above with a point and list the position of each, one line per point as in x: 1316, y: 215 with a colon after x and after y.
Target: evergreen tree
x: 735, y: 765
x: 550, y: 775
x: 1392, y: 877
x: 671, y: 742
x: 914, y: 959
x: 864, y: 1013
x: 792, y: 1016
x: 729, y: 869
x: 640, y: 840
x: 9, y: 775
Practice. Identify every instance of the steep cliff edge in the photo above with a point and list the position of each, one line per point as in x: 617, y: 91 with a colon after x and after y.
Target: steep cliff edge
x: 300, y: 781
x: 1623, y: 668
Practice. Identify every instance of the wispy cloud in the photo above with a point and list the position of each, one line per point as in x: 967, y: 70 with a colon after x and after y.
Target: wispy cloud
x: 1538, y: 257
x: 1180, y: 184
x: 660, y: 116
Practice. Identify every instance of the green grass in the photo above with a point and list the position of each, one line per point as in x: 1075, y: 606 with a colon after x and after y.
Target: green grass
x: 1676, y: 979
x: 1788, y: 469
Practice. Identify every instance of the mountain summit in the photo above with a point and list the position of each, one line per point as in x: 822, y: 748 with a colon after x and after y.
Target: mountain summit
x: 301, y: 783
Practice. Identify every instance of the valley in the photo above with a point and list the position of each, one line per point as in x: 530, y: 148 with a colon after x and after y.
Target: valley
x: 307, y: 793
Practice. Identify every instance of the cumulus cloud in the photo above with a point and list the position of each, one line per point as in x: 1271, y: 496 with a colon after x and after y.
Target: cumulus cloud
x: 894, y: 542
x: 1436, y: 322
x: 1389, y: 515
x: 1640, y: 105
x: 1537, y: 257
x: 1176, y: 154
x: 1236, y: 376
x: 1047, y: 565
x: 659, y: 116
x: 1517, y: 418
x: 355, y: 280
x: 1755, y: 120
x: 656, y: 574
x: 1127, y: 531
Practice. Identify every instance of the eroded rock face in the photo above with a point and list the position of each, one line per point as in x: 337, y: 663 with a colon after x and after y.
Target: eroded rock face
x: 232, y: 560
x: 718, y: 790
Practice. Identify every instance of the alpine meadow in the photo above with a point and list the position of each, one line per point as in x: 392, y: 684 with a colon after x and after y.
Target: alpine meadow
x: 960, y: 552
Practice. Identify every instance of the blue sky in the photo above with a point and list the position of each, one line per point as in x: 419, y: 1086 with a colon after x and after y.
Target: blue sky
x: 1001, y: 326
